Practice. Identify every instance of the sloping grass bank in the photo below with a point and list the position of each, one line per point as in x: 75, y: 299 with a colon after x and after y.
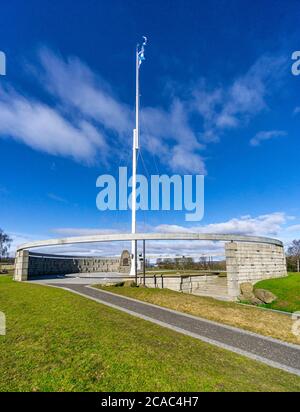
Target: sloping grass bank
x: 286, y: 289
x: 249, y: 318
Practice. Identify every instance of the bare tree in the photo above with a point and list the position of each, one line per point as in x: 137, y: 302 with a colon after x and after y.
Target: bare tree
x: 294, y: 252
x: 5, y: 242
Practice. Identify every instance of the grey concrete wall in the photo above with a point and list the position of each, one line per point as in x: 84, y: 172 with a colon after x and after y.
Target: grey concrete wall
x: 251, y: 262
x: 245, y: 262
x: 39, y: 266
x: 28, y: 264
x: 202, y: 285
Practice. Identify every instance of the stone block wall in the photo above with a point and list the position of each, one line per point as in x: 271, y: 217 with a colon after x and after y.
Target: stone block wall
x: 98, y: 265
x: 41, y: 265
x: 202, y: 285
x: 21, y: 265
x: 29, y: 264
x: 251, y: 262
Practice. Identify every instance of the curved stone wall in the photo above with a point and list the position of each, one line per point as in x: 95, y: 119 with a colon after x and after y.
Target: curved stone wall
x: 148, y: 236
x: 248, y: 258
x: 251, y: 262
x: 29, y: 264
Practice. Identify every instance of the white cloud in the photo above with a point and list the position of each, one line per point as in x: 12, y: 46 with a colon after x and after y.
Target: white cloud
x: 87, y: 249
x: 233, y: 106
x: 272, y: 224
x: 266, y: 135
x: 169, y: 133
x: 154, y: 248
x: 297, y: 110
x: 181, y: 158
x: 89, y: 122
x: 264, y: 225
x: 19, y: 238
x: 57, y: 198
x: 185, y: 248
x: 43, y: 128
x: 293, y: 228
x: 76, y: 85
x: 72, y: 231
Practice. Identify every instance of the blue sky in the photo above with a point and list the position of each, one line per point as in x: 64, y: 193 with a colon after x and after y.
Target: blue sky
x: 218, y: 97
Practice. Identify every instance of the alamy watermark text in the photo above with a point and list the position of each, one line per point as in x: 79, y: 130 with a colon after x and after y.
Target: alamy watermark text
x: 160, y: 192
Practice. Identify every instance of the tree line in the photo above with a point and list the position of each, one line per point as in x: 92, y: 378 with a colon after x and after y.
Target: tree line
x: 189, y: 263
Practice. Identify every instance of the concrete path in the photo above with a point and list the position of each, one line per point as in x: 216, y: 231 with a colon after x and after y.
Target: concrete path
x: 264, y: 349
x: 79, y: 278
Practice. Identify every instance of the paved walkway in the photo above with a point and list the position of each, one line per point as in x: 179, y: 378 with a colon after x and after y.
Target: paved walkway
x: 264, y: 349
x: 79, y: 278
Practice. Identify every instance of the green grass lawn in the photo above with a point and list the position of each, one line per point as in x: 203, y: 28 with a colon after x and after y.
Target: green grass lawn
x: 59, y: 341
x: 286, y: 289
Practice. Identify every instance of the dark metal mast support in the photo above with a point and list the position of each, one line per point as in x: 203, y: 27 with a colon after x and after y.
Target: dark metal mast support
x: 135, y: 260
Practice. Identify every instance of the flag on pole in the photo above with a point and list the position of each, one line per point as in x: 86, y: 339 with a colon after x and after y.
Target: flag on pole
x: 2, y: 64
x: 141, y: 53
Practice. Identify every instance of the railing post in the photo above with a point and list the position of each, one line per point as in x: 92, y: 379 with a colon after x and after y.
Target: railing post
x: 144, y: 261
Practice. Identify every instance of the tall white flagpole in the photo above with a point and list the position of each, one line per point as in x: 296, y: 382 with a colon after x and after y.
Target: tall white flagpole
x: 135, y: 146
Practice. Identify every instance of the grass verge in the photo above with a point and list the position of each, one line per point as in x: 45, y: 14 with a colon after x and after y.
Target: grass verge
x: 286, y: 289
x: 245, y: 317
x: 58, y: 341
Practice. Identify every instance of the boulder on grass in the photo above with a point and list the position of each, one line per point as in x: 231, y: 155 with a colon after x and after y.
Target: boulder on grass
x: 129, y: 283
x: 246, y: 288
x: 246, y: 291
x: 247, y: 294
x: 108, y: 284
x: 250, y: 298
x: 255, y: 301
x: 264, y: 295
